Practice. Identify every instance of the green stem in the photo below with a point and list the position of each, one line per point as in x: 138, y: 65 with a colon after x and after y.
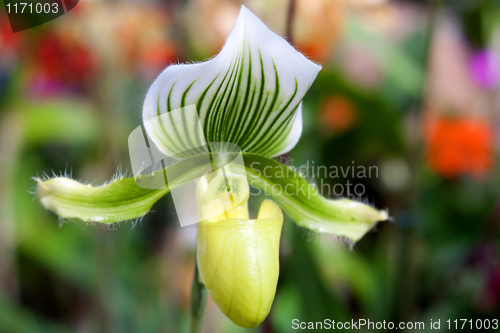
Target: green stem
x: 405, y: 272
x: 289, y: 20
x: 198, y: 301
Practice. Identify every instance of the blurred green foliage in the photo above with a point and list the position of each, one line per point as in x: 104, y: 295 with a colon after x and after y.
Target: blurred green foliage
x: 438, y: 258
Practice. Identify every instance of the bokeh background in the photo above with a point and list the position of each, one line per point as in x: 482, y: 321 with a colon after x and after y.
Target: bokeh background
x: 411, y: 87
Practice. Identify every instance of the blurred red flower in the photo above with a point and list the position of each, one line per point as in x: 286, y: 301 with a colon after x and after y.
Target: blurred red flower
x: 458, y: 146
x: 8, y: 40
x: 317, y: 28
x: 65, y: 60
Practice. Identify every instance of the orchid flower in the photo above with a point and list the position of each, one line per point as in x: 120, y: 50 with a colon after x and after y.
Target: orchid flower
x: 249, y: 95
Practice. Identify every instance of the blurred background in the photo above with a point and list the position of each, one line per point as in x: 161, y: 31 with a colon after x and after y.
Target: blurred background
x: 412, y: 87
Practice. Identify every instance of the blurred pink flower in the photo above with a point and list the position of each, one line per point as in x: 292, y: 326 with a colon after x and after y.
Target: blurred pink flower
x: 485, y: 69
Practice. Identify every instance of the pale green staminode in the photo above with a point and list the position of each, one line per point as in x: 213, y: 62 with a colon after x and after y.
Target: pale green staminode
x: 250, y: 95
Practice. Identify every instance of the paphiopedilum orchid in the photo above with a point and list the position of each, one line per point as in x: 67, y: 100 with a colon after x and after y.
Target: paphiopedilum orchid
x: 248, y: 95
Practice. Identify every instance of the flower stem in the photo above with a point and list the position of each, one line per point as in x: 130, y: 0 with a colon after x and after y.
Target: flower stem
x: 198, y: 301
x: 289, y: 20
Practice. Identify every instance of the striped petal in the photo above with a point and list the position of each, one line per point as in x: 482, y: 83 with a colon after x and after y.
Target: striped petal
x: 249, y: 94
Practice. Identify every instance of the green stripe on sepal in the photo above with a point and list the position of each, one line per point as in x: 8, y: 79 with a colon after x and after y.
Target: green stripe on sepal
x: 122, y: 199
x: 302, y: 202
x: 249, y: 94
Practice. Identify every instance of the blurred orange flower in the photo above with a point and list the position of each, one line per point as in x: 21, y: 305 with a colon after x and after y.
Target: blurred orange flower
x: 337, y: 113
x: 61, y: 64
x: 208, y: 23
x: 317, y: 28
x: 458, y: 146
